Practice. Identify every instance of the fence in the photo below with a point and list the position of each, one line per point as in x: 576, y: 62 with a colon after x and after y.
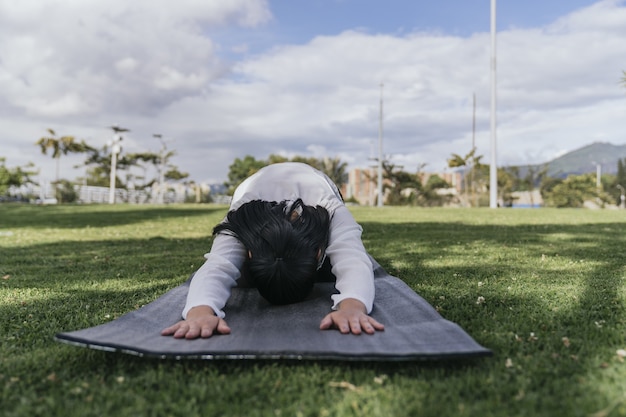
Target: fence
x: 87, y: 194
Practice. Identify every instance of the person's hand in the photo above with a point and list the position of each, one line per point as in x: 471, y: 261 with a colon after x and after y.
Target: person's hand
x: 351, y: 317
x: 201, y: 322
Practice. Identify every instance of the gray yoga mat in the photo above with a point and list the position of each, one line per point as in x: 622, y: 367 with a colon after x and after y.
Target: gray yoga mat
x: 413, y: 329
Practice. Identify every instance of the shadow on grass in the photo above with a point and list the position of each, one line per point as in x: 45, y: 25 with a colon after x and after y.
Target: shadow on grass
x: 78, y: 263
x: 553, y: 294
x: 424, y: 253
x: 66, y: 216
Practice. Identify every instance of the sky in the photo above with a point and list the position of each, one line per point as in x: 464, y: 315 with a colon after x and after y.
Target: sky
x: 220, y: 80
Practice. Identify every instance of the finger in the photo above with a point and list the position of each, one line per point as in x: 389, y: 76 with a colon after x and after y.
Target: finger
x: 370, y: 325
x: 367, y: 326
x: 376, y: 324
x: 206, y: 330
x: 222, y: 327
x: 169, y: 330
x: 344, y: 327
x: 181, y: 331
x: 355, y: 325
x: 326, y: 322
x: 193, y: 332
x: 339, y: 322
x: 214, y: 326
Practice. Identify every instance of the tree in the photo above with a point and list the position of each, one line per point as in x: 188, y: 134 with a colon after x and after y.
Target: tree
x: 574, y: 191
x: 96, y: 176
x: 241, y: 169
x: 518, y: 182
x: 14, y: 177
x: 161, y: 163
x: 616, y: 189
x: 471, y: 170
x: 402, y: 188
x: 138, y: 160
x: 277, y: 159
x: 335, y: 169
x: 506, y: 182
x: 99, y: 171
x: 621, y: 171
x: 99, y: 163
x: 60, y: 146
x: 417, y: 189
x: 507, y: 179
x: 534, y: 176
x: 457, y: 161
x: 547, y: 185
x: 173, y: 174
x: 430, y: 195
x: 65, y: 192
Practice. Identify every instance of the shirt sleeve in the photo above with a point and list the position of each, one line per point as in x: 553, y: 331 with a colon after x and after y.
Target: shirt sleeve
x: 212, y: 283
x: 349, y: 259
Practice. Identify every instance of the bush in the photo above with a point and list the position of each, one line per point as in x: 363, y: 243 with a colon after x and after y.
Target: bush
x: 65, y: 192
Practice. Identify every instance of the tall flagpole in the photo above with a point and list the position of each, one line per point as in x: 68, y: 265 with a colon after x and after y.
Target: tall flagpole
x: 380, y: 150
x: 493, y: 168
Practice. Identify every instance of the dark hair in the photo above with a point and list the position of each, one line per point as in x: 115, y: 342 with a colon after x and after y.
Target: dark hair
x: 286, y: 242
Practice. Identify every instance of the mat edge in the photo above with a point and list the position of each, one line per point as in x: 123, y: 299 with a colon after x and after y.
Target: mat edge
x: 274, y: 356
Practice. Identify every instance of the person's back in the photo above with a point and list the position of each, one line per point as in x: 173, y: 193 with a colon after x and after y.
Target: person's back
x: 282, y: 223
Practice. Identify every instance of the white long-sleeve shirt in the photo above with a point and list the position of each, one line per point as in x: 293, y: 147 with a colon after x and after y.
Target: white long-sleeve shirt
x: 212, y: 283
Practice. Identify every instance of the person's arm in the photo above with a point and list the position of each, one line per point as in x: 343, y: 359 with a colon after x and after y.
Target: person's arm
x: 212, y: 283
x: 209, y: 290
x: 353, y: 269
x: 350, y: 262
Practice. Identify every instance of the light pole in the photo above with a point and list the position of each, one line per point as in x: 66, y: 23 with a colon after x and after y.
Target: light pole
x: 115, y: 149
x: 493, y: 168
x: 161, y: 166
x: 380, y: 150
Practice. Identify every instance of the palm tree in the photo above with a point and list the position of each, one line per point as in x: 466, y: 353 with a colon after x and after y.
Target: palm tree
x: 471, y: 163
x: 335, y: 169
x: 458, y: 161
x: 60, y: 146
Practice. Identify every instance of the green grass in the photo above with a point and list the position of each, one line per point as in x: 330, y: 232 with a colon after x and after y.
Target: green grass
x: 544, y: 289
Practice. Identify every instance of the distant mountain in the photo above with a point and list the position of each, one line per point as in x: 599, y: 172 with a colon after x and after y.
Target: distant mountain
x: 584, y: 160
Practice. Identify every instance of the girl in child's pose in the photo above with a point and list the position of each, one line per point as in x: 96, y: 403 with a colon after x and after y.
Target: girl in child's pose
x: 286, y: 223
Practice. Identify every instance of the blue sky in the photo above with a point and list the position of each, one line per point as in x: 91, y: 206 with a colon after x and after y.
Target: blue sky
x: 223, y: 79
x: 299, y: 21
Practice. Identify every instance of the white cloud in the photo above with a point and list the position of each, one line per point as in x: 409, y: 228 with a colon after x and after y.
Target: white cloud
x: 126, y: 65
x: 114, y: 56
x: 556, y: 87
x: 153, y: 65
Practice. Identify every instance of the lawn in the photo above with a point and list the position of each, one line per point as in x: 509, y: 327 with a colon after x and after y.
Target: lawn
x: 544, y: 289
